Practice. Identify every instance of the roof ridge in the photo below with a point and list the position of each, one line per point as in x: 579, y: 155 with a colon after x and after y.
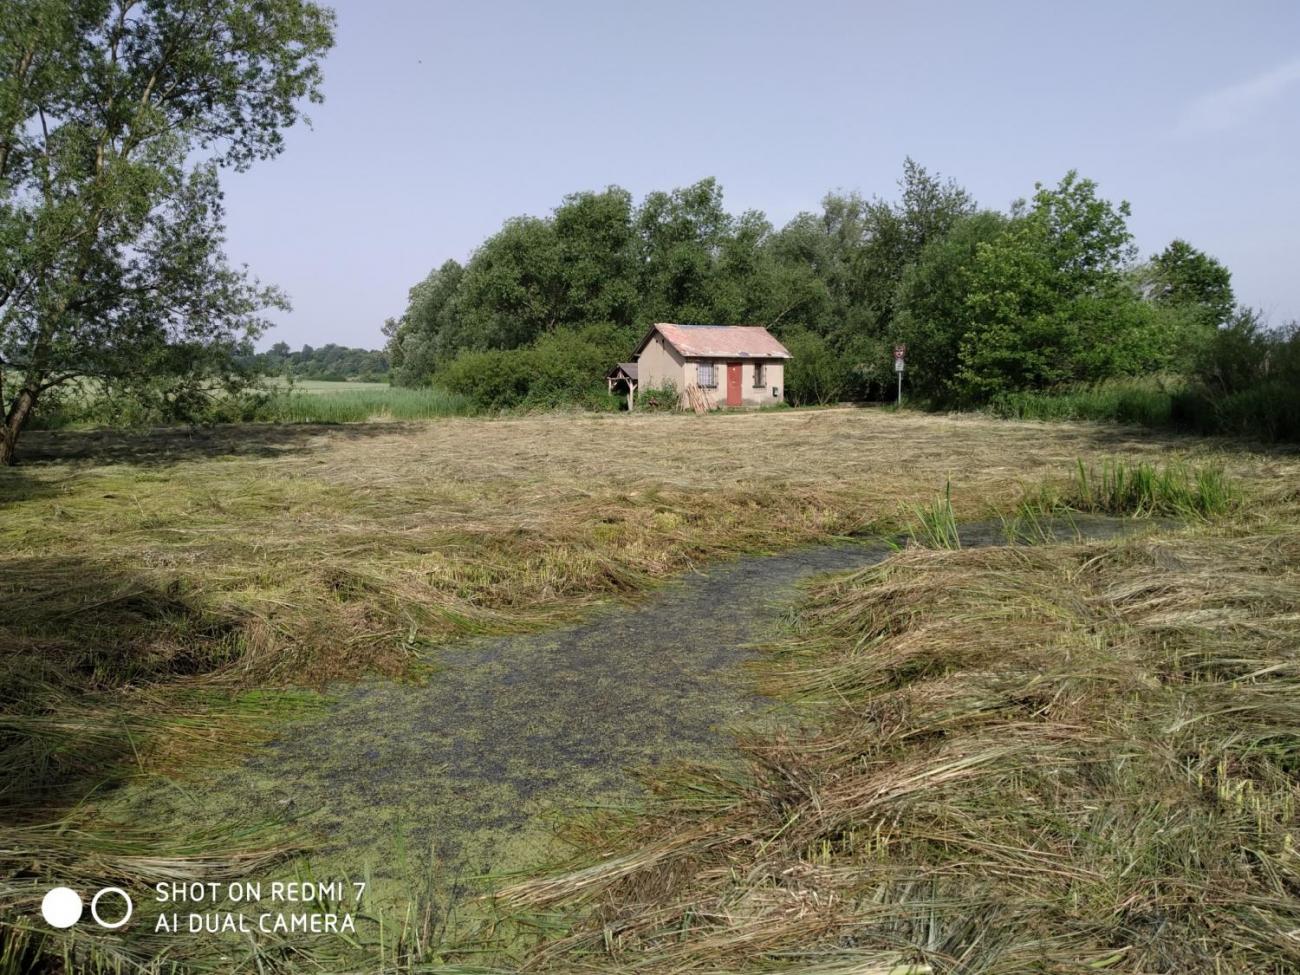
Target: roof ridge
x: 701, y: 325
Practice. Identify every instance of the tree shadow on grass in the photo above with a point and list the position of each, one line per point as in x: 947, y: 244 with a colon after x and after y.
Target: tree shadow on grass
x: 17, y: 484
x: 91, y: 656
x: 164, y: 446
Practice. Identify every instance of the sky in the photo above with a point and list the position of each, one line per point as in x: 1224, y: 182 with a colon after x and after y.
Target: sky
x: 441, y: 120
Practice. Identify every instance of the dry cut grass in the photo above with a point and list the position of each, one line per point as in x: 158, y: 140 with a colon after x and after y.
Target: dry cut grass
x: 155, y: 587
x: 1063, y: 758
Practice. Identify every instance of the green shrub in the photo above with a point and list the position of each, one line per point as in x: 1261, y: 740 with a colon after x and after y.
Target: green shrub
x: 493, y: 380
x: 814, y: 375
x: 659, y: 399
x: 564, y: 368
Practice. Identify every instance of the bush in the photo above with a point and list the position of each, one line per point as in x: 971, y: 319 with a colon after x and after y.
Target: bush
x: 659, y: 399
x: 563, y: 368
x: 814, y: 375
x: 1147, y: 401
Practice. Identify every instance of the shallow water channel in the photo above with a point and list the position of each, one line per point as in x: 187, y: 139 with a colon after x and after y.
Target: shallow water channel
x: 424, y: 787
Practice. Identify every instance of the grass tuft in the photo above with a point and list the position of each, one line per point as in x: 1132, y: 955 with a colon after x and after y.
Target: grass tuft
x: 1117, y: 487
x: 935, y: 525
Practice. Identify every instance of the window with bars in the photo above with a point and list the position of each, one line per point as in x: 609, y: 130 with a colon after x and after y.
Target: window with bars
x: 706, y: 375
x: 760, y: 375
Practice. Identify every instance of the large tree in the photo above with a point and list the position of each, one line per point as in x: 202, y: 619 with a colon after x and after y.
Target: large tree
x: 1047, y: 301
x: 115, y: 119
x: 1182, y: 276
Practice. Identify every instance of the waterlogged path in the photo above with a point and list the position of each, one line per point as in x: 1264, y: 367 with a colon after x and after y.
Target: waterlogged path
x: 455, y: 775
x: 426, y: 786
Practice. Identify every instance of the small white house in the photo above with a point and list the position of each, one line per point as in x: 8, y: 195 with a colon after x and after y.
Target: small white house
x: 718, y: 365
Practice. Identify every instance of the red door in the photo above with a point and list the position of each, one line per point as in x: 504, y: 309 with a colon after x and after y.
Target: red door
x: 733, y: 383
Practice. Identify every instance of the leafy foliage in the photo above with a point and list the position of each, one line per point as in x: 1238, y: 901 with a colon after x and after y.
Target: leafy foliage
x: 111, y: 262
x: 814, y: 376
x: 1182, y: 276
x: 554, y: 371
x: 329, y: 362
x: 991, y: 305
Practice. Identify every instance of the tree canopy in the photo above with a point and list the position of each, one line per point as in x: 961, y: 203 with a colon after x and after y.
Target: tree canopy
x: 987, y: 302
x: 115, y: 120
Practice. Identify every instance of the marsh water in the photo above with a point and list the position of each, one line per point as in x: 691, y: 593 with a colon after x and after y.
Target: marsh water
x: 428, y: 786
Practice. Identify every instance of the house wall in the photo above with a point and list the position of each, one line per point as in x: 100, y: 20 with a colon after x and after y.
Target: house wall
x: 749, y: 396
x: 659, y: 364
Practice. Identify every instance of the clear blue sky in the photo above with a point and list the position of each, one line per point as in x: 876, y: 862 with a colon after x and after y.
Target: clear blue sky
x: 443, y: 119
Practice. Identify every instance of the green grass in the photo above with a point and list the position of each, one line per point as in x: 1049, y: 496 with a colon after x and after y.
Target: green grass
x: 935, y: 525
x: 336, y: 386
x: 325, y: 402
x: 1269, y: 411
x: 1147, y: 401
x: 1117, y: 487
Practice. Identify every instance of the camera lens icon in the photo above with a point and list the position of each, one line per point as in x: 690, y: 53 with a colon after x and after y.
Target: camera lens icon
x: 62, y: 907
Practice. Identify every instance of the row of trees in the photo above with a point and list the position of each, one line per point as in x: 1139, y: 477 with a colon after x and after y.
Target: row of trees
x: 329, y: 362
x: 1051, y: 291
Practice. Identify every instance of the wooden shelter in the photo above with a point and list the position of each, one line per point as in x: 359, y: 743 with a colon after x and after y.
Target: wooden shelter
x: 624, y: 377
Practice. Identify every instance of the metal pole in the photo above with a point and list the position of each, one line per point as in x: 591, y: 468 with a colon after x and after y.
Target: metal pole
x: 900, y: 387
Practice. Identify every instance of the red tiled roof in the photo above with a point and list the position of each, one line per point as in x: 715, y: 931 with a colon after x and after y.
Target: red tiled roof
x: 719, y: 341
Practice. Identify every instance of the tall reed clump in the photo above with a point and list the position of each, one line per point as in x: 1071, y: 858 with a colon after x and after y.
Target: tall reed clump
x: 1145, y: 401
x: 1059, y: 758
x: 1118, y: 487
x: 935, y: 525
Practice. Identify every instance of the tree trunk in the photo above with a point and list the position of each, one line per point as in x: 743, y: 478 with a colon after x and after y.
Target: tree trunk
x: 14, y: 423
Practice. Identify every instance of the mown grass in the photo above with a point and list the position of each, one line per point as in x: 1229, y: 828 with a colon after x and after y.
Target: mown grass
x: 1064, y: 758
x: 152, y: 581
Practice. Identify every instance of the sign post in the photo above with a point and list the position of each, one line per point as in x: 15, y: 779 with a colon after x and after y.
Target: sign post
x: 900, y: 354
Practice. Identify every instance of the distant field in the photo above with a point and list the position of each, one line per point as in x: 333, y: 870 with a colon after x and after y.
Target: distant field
x: 318, y: 401
x: 304, y: 401
x: 331, y: 386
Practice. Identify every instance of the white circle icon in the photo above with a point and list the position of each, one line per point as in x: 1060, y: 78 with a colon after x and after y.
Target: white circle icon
x: 61, y: 907
x: 94, y: 908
